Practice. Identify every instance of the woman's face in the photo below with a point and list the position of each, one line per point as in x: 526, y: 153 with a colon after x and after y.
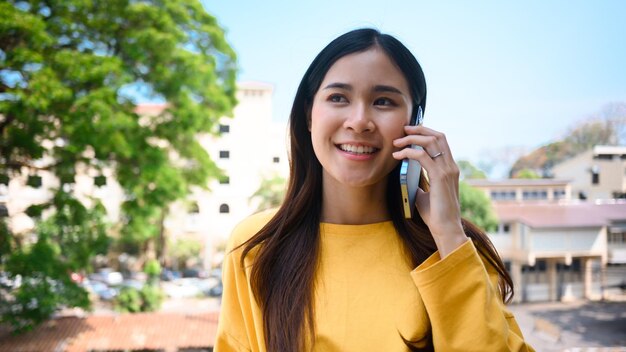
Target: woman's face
x: 360, y: 108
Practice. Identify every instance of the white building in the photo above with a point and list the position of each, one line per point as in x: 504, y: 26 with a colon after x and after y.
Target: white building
x: 251, y: 147
x: 599, y: 173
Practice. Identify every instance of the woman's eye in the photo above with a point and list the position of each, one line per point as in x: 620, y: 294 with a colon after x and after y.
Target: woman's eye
x: 336, y: 98
x: 384, y: 101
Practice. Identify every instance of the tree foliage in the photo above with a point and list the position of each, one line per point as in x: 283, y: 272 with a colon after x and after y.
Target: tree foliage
x: 608, y: 127
x: 271, y: 192
x: 66, y: 243
x: 146, y: 299
x: 527, y: 174
x: 469, y: 171
x: 477, y: 207
x: 182, y: 250
x: 71, y: 74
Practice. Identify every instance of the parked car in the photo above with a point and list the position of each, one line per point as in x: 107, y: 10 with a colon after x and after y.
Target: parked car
x: 136, y: 284
x: 217, y: 272
x: 216, y: 291
x: 195, y: 272
x: 169, y: 275
x: 108, y: 276
x: 100, y: 289
x: 181, y: 288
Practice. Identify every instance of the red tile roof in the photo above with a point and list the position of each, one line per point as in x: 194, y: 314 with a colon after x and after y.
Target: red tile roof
x: 150, y: 108
x: 552, y: 215
x: 517, y: 182
x: 163, y: 331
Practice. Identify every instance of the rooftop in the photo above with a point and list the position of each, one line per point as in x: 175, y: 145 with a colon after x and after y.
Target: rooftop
x: 150, y: 108
x: 517, y: 182
x: 124, y: 332
x: 562, y: 215
x: 255, y: 85
x: 609, y: 150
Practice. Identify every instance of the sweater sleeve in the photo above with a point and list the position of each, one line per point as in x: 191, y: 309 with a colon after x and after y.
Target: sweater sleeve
x: 464, y: 305
x: 240, y: 327
x: 231, y: 326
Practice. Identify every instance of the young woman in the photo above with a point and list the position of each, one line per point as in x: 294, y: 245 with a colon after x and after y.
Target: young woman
x: 338, y: 267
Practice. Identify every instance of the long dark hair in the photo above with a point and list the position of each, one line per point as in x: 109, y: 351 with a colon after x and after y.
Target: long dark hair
x: 287, y: 247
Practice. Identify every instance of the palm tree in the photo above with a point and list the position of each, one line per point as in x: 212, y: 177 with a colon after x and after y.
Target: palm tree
x: 270, y: 193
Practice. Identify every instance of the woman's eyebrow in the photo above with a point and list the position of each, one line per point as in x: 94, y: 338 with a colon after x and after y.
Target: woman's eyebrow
x: 377, y: 88
x: 387, y: 89
x: 339, y: 85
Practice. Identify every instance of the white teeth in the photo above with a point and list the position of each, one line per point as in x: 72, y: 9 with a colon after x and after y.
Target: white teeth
x: 361, y: 149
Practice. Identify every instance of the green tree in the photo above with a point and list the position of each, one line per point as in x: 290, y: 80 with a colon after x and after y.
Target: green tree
x: 66, y: 242
x: 477, y: 207
x: 146, y: 299
x: 527, y: 174
x: 183, y: 250
x: 469, y: 171
x: 271, y: 192
x: 71, y: 74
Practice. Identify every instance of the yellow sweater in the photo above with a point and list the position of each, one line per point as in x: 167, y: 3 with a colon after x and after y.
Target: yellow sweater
x: 368, y: 297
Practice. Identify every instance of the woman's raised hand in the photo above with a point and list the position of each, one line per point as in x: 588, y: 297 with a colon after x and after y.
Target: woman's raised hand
x: 439, y: 207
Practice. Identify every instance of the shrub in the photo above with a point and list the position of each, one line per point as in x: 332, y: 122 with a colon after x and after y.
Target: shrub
x: 132, y: 300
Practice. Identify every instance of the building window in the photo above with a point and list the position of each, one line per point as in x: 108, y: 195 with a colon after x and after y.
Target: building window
x: 100, y: 181
x: 595, y: 178
x: 224, y: 128
x: 619, y: 195
x: 253, y: 93
x: 276, y: 160
x: 504, y: 228
x: 193, y: 217
x: 503, y: 195
x: 534, y: 194
x: 193, y: 208
x: 595, y: 175
x: 559, y: 194
x: 224, y: 180
x: 604, y: 157
x: 224, y: 209
x: 224, y: 154
x: 617, y: 237
x: 34, y: 181
x: 4, y: 179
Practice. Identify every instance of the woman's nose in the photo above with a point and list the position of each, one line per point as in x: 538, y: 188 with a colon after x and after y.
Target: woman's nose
x: 359, y: 120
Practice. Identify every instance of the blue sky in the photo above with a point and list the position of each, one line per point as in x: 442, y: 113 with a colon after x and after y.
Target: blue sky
x: 502, y: 76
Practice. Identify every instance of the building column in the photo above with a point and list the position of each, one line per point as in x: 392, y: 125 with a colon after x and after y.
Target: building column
x: 552, y: 280
x: 587, y: 277
x: 603, y: 282
x: 516, y: 276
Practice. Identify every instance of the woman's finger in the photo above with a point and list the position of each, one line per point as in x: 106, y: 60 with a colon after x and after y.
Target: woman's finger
x: 422, y: 156
x: 433, y: 141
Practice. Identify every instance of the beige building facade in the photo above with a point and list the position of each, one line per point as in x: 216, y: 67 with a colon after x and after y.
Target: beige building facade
x: 599, y: 173
x: 556, y: 247
x: 251, y: 148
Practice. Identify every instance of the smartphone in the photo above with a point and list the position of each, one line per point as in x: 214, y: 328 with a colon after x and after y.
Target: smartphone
x: 410, y: 171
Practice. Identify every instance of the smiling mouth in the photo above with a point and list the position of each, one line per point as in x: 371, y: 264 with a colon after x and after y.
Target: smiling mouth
x: 357, y: 149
